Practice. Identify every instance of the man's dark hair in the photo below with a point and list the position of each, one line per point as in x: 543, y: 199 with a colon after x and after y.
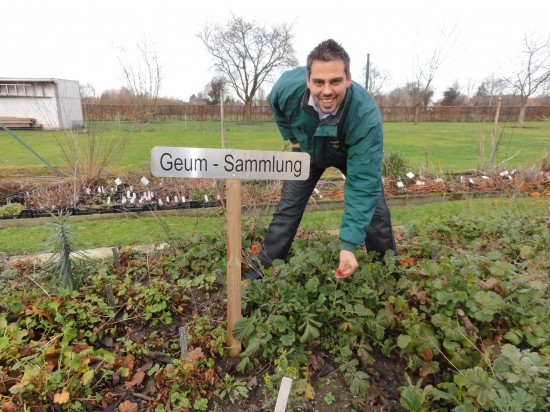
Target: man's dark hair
x: 327, y: 51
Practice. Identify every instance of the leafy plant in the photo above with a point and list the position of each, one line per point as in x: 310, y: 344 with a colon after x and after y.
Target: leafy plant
x: 232, y: 388
x: 11, y: 209
x: 414, y: 398
x: 60, y: 244
x: 329, y: 398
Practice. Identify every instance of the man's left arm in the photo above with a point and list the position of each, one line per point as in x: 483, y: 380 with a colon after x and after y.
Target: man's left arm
x: 363, y: 183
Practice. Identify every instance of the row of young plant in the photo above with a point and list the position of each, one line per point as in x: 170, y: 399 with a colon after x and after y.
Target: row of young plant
x: 465, y: 305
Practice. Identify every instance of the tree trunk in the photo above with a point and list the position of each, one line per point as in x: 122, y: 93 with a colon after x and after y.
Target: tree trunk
x: 416, y: 113
x: 248, y: 112
x: 521, y: 116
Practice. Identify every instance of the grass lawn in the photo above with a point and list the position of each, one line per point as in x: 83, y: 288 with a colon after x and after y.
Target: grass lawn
x: 430, y: 147
x: 121, y: 232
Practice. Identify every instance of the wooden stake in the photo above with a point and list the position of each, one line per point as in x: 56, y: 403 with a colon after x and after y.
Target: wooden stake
x: 494, y: 145
x: 110, y: 295
x: 183, y: 341
x: 234, y: 246
x: 116, y: 258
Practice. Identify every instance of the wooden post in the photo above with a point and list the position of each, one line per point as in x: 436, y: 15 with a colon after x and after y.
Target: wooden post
x: 234, y: 246
x: 494, y: 137
x: 184, y: 350
x: 480, y: 147
x: 222, y: 120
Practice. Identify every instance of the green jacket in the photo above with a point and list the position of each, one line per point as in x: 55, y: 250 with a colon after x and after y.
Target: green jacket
x: 353, y: 137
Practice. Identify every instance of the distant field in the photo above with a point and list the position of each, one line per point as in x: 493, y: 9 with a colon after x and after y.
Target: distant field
x: 430, y: 147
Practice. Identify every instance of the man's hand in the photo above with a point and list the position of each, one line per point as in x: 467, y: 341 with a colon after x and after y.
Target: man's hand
x: 348, y: 264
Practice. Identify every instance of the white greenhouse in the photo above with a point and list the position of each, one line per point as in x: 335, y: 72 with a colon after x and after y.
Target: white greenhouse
x: 50, y: 104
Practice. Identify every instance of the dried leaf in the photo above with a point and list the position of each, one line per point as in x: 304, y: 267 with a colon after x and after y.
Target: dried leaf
x: 62, y: 397
x: 427, y: 354
x: 127, y: 361
x: 316, y: 362
x: 491, y: 283
x: 136, y: 380
x: 194, y: 356
x: 8, y: 406
x: 128, y: 406
x: 211, y: 377
x: 253, y: 382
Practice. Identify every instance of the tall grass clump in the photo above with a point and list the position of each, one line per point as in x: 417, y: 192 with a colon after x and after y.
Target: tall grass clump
x: 394, y: 166
x: 90, y: 152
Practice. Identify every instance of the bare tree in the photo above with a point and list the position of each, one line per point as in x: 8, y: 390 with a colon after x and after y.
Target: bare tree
x: 533, y: 72
x: 490, y: 87
x: 143, y: 79
x: 377, y: 79
x: 247, y: 54
x: 87, y: 93
x: 421, y: 87
x: 398, y: 97
x: 470, y: 87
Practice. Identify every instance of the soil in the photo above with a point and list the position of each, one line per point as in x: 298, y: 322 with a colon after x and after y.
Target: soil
x: 329, y: 387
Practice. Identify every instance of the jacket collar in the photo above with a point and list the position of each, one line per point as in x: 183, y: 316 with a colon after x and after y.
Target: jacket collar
x: 332, y: 118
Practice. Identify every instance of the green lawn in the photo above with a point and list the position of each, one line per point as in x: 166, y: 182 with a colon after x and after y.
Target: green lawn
x: 430, y: 147
x: 124, y: 231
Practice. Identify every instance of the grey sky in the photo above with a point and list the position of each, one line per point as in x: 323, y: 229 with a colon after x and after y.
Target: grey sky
x: 78, y: 40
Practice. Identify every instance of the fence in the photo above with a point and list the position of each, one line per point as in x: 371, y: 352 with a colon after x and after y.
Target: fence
x: 263, y: 113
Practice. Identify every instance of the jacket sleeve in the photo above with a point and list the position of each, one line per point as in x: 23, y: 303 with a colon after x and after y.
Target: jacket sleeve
x: 363, y: 179
x: 279, y: 114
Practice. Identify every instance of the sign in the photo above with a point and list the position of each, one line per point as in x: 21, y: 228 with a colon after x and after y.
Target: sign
x: 192, y: 162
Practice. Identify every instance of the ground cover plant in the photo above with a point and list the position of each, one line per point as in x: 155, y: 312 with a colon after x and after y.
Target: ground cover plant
x: 460, y: 321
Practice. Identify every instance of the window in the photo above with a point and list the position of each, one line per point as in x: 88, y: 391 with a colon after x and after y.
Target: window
x: 24, y: 90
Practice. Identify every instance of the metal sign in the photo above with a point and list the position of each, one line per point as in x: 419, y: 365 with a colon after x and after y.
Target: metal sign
x: 192, y: 162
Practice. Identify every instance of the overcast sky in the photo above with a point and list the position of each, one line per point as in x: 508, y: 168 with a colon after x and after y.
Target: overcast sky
x: 80, y: 40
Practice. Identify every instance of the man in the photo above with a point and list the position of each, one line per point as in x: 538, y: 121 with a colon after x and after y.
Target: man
x: 336, y: 121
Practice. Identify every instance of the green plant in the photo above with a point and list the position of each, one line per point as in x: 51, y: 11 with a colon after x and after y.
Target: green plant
x: 329, y: 398
x: 232, y: 389
x: 11, y: 209
x: 60, y: 244
x: 414, y: 398
x: 395, y: 166
x: 517, y: 381
x: 201, y: 404
x: 301, y: 389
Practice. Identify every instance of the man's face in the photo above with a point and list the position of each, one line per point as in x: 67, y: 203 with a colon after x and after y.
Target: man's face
x: 327, y: 84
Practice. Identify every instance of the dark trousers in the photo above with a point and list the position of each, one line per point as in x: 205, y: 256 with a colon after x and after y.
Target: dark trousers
x: 288, y: 215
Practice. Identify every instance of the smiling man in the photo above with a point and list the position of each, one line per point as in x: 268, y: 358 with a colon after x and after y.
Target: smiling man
x: 336, y: 121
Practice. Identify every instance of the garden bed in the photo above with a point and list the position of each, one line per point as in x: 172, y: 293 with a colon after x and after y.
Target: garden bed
x: 136, y: 193
x: 461, y: 320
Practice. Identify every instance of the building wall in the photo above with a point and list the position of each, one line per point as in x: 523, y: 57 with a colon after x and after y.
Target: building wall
x: 55, y: 103
x: 69, y: 105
